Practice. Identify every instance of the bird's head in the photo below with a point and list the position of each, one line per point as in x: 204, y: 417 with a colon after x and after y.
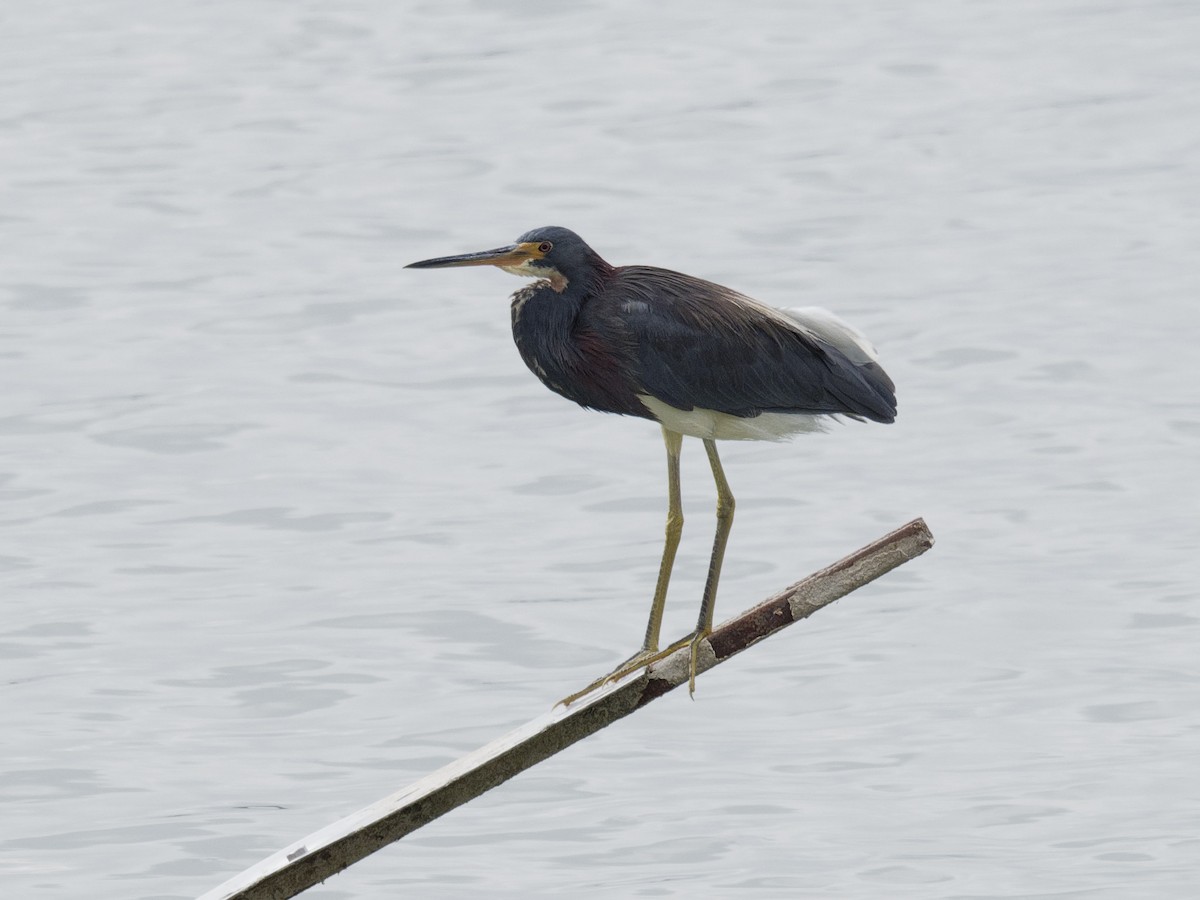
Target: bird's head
x: 556, y: 254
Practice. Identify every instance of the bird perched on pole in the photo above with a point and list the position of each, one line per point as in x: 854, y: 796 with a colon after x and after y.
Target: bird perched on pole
x: 698, y: 358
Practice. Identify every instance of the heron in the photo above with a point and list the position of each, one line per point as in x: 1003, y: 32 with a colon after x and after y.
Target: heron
x: 698, y: 358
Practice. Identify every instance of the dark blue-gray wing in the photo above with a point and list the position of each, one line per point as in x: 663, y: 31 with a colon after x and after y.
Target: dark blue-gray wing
x: 698, y: 344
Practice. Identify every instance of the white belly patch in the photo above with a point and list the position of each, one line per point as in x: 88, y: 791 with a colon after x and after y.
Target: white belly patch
x: 718, y: 426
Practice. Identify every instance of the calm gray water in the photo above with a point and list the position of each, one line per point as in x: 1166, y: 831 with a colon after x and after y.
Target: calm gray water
x: 283, y: 527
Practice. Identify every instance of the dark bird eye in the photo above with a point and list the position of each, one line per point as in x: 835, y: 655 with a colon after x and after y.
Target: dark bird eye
x: 545, y: 247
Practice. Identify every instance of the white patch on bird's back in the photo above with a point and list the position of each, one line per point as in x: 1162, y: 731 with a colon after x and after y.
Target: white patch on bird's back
x: 820, y: 323
x: 825, y: 325
x: 718, y: 426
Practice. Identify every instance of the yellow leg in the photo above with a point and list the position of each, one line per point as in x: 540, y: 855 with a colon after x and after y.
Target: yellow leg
x: 650, y: 652
x: 725, y: 507
x: 674, y: 442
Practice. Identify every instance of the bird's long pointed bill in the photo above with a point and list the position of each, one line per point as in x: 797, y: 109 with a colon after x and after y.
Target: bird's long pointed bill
x: 511, y: 255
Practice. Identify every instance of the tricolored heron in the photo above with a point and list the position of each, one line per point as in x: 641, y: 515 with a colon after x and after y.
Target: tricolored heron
x: 696, y: 357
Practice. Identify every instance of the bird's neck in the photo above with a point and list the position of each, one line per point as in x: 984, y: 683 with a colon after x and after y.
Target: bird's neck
x: 543, y: 316
x: 543, y: 323
x: 563, y: 340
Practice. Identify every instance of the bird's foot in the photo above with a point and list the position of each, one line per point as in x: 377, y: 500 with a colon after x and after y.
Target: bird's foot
x: 694, y: 640
x: 641, y: 660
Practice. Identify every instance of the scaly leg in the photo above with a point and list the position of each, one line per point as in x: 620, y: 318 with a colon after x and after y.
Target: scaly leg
x: 650, y: 652
x: 674, y: 441
x: 725, y: 507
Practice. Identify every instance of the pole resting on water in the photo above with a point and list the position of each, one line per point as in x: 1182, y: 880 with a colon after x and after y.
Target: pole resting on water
x: 333, y: 848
